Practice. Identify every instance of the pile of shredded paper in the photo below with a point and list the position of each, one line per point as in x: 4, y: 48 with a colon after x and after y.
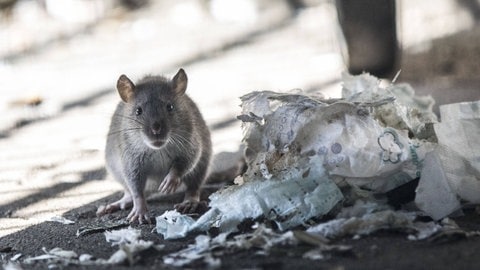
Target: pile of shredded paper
x: 308, y: 156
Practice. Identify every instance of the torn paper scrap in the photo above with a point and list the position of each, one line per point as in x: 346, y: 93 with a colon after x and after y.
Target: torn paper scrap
x: 123, y: 236
x: 62, y: 220
x: 173, y: 225
x: 12, y: 266
x: 458, y: 136
x: 129, y: 243
x: 55, y: 254
x: 127, y: 252
x: 452, y: 171
x: 434, y: 194
x: 16, y: 257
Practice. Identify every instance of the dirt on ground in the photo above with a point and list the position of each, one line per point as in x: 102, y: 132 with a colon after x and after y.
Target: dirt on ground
x: 448, y: 71
x: 381, y: 250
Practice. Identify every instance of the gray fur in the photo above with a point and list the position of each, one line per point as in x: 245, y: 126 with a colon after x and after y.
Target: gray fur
x: 131, y: 154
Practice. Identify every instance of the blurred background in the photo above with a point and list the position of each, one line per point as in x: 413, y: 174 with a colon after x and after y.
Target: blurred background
x: 59, y: 62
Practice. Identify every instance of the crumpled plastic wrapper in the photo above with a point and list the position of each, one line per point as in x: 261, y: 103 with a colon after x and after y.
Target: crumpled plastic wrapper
x: 286, y: 132
x: 276, y: 200
x: 304, y: 151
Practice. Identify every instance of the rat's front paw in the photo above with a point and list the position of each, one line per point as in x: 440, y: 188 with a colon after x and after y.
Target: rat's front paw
x: 170, y: 184
x: 138, y: 215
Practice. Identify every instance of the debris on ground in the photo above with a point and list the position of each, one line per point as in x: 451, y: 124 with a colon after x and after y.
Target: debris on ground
x: 101, y: 227
x: 369, y: 223
x: 308, y: 157
x: 128, y: 240
x: 451, y: 172
x: 61, y: 219
x: 173, y: 225
x: 206, y: 249
x: 129, y: 243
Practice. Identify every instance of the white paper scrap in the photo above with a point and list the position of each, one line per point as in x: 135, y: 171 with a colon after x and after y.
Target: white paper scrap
x: 452, y: 171
x: 55, y: 253
x: 62, y: 220
x: 123, y: 236
x: 173, y: 225
x: 434, y: 194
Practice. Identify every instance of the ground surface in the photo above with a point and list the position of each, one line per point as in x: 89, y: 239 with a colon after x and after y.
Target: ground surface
x: 51, y: 159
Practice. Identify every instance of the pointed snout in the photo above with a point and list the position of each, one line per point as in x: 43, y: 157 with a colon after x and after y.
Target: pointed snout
x: 156, y: 128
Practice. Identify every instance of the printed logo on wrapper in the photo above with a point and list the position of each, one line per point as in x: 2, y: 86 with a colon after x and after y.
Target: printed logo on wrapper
x: 391, y: 146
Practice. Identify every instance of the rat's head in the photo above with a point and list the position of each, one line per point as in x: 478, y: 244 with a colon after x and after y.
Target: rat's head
x: 153, y: 105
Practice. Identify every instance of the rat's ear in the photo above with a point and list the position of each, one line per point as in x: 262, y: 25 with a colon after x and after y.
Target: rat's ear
x: 180, y: 81
x: 125, y: 88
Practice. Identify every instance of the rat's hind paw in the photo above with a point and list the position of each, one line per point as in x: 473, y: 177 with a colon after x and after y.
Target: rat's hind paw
x: 139, y: 212
x: 108, y: 209
x: 103, y: 210
x: 124, y: 202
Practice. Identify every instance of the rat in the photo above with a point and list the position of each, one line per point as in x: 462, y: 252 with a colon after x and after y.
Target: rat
x: 157, y: 140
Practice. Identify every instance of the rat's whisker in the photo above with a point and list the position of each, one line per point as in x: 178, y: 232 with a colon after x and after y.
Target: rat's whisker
x: 182, y: 142
x: 122, y: 131
x: 129, y: 118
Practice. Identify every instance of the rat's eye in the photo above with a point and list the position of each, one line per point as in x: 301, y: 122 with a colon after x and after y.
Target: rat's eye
x: 138, y: 111
x: 170, y: 107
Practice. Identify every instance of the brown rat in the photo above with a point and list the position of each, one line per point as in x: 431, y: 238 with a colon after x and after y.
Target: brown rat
x: 157, y: 140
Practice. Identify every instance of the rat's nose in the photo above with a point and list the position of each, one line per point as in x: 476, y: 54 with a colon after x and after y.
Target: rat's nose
x: 156, y: 128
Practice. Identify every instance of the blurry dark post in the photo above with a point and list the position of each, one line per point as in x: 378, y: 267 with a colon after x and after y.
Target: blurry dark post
x: 296, y: 4
x: 369, y: 27
x: 134, y: 4
x: 6, y: 7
